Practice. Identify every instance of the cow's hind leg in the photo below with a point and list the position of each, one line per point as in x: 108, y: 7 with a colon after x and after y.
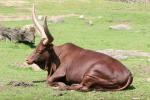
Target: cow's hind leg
x: 85, y: 85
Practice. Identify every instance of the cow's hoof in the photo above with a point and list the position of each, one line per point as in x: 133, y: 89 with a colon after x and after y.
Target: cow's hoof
x: 55, y: 88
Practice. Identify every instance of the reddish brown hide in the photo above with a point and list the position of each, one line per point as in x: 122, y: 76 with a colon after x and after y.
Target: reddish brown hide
x: 73, y: 68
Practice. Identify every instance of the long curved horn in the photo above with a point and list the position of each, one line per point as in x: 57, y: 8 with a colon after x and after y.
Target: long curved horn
x: 50, y: 37
x: 38, y: 26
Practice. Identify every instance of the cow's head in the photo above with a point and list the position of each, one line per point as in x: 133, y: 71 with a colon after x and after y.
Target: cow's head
x: 42, y: 53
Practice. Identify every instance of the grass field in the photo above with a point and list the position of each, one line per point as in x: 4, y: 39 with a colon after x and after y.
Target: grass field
x: 75, y: 30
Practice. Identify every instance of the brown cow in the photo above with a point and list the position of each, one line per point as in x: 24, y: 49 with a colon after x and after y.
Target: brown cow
x: 79, y: 68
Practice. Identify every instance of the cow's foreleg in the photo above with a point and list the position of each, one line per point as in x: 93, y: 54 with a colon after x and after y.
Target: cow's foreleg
x: 54, y: 79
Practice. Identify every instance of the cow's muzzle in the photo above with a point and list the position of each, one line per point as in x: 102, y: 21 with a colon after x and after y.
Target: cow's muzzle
x: 29, y: 61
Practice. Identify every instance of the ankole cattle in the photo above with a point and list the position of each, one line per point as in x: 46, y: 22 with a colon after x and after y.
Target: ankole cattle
x: 71, y: 67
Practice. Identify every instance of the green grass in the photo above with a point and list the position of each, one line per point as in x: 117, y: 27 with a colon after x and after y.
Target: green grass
x: 75, y: 30
x: 7, y: 10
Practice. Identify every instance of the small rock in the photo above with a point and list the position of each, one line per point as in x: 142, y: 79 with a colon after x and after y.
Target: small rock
x: 25, y: 65
x: 59, y: 93
x: 17, y: 35
x: 81, y: 16
x: 90, y: 22
x: 29, y: 28
x: 33, y: 66
x: 120, y: 27
x: 136, y: 99
x: 148, y: 79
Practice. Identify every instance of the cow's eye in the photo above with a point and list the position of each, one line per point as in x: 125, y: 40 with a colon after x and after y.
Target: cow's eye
x: 39, y: 52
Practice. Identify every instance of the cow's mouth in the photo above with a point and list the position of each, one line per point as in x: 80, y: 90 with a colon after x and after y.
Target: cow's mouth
x: 29, y: 62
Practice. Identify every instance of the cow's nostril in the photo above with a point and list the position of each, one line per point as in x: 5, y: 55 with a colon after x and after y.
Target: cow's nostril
x: 26, y: 59
x: 29, y: 62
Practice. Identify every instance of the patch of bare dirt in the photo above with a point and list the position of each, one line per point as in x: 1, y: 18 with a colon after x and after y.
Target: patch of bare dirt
x: 2, y: 88
x: 123, y: 54
x: 120, y: 27
x: 63, y: 1
x: 133, y: 1
x: 89, y: 20
x: 146, y: 69
x: 21, y: 84
x: 14, y: 3
x: 14, y: 17
x: 60, y: 18
x: 57, y: 1
x: 55, y: 19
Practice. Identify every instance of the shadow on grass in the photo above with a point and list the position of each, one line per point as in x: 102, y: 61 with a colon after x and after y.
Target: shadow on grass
x: 39, y: 81
x: 130, y: 88
x: 31, y: 45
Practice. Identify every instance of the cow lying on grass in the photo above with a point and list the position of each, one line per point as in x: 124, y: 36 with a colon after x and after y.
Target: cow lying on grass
x: 73, y: 68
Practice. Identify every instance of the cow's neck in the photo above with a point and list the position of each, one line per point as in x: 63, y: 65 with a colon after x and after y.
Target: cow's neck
x: 54, y: 60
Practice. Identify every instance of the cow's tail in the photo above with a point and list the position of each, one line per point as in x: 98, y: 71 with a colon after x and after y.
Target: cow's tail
x: 126, y: 84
